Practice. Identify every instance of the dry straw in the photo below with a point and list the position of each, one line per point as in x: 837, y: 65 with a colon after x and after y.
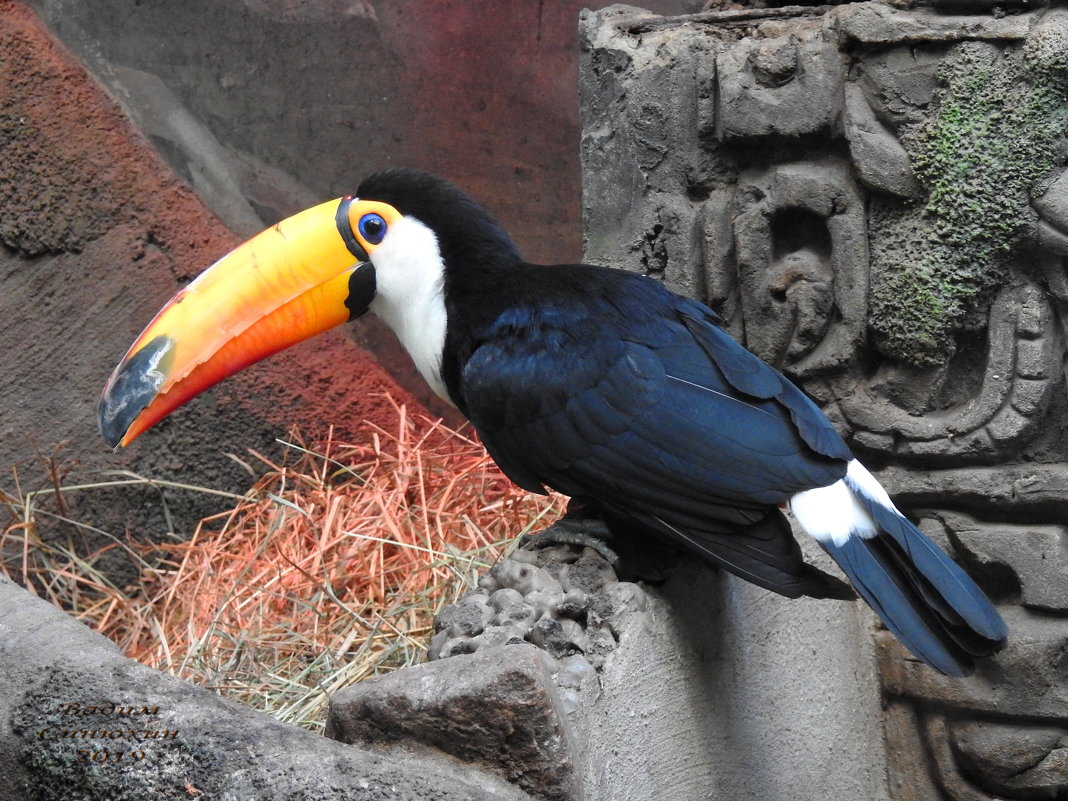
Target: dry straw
x: 329, y: 570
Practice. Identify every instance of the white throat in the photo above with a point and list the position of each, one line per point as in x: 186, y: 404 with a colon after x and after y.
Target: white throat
x: 410, y: 295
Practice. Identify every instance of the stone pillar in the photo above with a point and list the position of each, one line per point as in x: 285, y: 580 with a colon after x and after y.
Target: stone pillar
x: 875, y: 200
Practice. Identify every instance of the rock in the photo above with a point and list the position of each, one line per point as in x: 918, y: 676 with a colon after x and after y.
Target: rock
x: 882, y: 24
x: 789, y: 86
x: 644, y: 144
x: 1052, y: 208
x: 881, y: 162
x: 464, y: 620
x: 1038, y: 688
x: 554, y: 597
x: 1013, y: 760
x: 70, y: 698
x: 899, y: 83
x: 1035, y: 555
x: 497, y: 708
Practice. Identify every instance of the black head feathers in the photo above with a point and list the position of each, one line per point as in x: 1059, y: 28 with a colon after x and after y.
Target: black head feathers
x: 464, y: 229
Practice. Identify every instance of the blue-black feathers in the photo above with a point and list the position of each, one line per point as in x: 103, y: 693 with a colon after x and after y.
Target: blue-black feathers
x: 602, y: 384
x: 593, y: 382
x: 922, y: 595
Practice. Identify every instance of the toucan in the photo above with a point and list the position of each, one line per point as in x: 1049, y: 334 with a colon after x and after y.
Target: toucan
x: 596, y: 382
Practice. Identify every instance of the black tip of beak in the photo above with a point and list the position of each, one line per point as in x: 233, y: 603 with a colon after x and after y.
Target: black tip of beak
x: 133, y: 385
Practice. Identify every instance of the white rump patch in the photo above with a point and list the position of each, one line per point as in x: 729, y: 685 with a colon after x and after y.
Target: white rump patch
x: 833, y: 513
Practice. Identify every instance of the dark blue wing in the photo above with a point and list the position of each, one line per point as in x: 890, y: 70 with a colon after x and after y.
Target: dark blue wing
x: 639, y: 399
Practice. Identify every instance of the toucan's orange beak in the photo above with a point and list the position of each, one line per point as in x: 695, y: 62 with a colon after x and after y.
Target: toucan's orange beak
x: 298, y: 278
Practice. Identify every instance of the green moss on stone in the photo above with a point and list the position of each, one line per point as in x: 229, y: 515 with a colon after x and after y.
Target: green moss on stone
x: 996, y: 133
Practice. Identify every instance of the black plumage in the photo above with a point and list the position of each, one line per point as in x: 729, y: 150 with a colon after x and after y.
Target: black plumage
x: 604, y: 385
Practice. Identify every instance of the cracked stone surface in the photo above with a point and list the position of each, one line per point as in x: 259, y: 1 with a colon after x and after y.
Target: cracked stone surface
x: 897, y: 247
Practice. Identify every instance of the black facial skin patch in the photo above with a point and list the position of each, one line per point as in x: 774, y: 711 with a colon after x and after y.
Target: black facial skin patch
x: 362, y: 288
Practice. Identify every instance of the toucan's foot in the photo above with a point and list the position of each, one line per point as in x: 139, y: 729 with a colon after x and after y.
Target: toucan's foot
x: 582, y: 532
x: 634, y: 554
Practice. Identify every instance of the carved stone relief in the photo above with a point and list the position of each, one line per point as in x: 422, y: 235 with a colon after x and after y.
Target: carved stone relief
x: 875, y: 199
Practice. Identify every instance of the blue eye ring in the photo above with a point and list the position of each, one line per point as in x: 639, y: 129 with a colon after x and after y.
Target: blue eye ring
x: 372, y: 228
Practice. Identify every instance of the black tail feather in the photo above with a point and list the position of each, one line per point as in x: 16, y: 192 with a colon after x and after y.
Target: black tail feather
x: 921, y: 595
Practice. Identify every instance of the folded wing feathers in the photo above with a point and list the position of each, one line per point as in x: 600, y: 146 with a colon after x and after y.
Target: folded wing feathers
x: 613, y: 427
x: 750, y: 375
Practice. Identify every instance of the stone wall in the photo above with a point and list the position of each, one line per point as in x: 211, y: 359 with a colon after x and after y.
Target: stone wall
x: 874, y: 197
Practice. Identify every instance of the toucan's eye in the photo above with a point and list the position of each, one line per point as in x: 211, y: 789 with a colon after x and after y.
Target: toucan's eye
x: 372, y: 228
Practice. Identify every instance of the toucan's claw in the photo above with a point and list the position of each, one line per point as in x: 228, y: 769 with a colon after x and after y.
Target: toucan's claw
x: 584, y: 533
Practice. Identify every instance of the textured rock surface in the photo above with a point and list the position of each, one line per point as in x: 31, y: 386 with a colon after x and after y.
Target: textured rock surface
x: 654, y: 690
x: 560, y: 600
x: 524, y: 647
x: 498, y: 709
x: 899, y: 251
x: 71, y: 698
